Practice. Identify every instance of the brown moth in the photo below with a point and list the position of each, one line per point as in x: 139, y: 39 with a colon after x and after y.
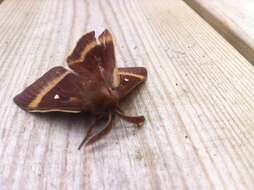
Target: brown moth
x: 95, y: 86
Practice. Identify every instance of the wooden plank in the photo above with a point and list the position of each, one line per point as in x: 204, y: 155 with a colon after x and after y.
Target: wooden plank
x: 233, y: 20
x: 198, y: 100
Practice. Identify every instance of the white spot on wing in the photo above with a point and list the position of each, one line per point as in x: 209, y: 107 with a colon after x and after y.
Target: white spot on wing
x: 56, y: 97
x: 126, y: 79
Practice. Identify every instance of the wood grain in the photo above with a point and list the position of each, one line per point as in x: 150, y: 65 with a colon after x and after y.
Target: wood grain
x: 233, y: 20
x: 198, y: 100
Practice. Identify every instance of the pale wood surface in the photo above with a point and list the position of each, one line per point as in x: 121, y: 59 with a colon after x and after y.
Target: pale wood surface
x: 198, y: 100
x: 233, y: 19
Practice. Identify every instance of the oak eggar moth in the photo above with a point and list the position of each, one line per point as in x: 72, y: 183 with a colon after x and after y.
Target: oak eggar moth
x: 97, y: 85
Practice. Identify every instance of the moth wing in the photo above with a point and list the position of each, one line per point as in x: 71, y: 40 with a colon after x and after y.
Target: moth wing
x: 130, y: 78
x: 96, y: 59
x: 109, y: 68
x: 84, y: 59
x: 57, y: 90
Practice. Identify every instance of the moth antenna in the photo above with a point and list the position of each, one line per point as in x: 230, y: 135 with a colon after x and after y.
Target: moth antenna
x: 132, y: 119
x: 88, y: 133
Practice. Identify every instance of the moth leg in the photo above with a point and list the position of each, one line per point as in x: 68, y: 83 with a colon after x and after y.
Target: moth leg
x: 132, y: 119
x: 88, y: 133
x: 106, y: 129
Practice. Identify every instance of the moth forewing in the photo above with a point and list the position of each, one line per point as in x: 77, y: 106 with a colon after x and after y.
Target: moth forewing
x: 83, y: 46
x: 56, y: 90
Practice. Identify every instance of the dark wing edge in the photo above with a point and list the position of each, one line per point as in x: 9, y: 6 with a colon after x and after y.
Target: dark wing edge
x: 130, y: 78
x: 58, y: 90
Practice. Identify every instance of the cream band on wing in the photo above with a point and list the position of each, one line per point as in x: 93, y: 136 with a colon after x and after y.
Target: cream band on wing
x: 72, y: 98
x: 84, y: 53
x: 35, y: 102
x: 55, y: 110
x: 132, y: 74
